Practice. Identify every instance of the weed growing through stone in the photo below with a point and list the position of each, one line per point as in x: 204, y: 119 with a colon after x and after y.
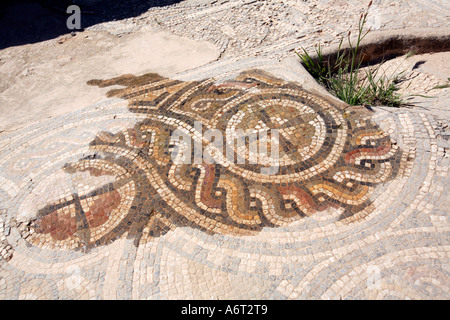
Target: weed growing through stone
x: 345, y: 78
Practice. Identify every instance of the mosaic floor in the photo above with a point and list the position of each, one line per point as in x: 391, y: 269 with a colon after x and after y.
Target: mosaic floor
x: 95, y: 205
x: 148, y: 194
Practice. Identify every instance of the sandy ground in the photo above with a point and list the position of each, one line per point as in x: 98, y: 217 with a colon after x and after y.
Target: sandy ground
x: 47, y: 79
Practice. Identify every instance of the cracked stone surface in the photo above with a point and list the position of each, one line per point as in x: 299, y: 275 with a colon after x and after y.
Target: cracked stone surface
x: 274, y: 28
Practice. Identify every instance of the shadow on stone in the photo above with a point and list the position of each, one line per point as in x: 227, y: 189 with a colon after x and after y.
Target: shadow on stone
x: 24, y: 21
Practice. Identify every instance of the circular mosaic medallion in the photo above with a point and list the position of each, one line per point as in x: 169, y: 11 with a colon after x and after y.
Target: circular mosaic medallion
x: 256, y: 152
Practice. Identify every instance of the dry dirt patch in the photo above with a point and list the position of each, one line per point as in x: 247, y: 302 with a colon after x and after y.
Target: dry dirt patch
x: 47, y: 79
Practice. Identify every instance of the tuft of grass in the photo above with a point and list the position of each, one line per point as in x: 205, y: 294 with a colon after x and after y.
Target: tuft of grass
x: 344, y: 79
x: 318, y: 69
x: 384, y: 91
